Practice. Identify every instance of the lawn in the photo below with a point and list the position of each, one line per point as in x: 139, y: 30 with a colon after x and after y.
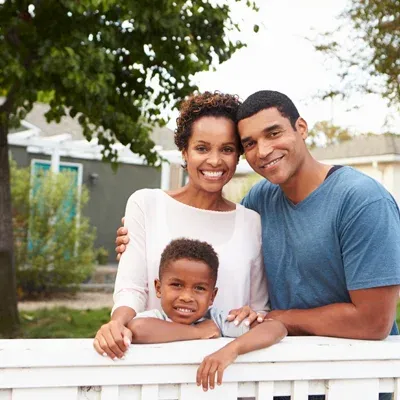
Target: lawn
x: 62, y: 323
x: 65, y: 323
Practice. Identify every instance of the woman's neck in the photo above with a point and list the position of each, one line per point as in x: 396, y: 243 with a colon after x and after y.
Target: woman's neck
x: 196, y: 197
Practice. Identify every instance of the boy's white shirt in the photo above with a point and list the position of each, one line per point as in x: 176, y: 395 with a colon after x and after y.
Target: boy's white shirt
x: 228, y: 329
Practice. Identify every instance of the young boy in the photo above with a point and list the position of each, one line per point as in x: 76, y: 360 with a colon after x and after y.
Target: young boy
x: 186, y: 287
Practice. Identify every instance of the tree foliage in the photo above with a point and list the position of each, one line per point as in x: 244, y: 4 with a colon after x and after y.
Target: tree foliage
x: 367, y: 48
x: 325, y: 133
x: 114, y: 64
x: 53, y: 241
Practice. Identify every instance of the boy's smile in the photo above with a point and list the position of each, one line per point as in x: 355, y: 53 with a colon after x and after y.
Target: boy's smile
x: 186, y: 289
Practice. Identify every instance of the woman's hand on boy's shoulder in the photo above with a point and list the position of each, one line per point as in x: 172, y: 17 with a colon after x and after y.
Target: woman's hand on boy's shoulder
x: 246, y: 315
x: 208, y: 329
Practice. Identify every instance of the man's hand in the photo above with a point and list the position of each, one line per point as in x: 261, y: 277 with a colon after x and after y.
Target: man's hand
x: 121, y: 240
x: 215, y: 363
x: 112, y: 340
x: 245, y: 314
x: 208, y: 330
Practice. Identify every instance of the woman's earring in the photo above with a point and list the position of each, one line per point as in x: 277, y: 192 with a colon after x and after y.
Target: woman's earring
x: 184, y: 165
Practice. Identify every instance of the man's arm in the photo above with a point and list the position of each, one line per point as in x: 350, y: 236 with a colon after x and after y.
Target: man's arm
x: 370, y: 316
x: 153, y: 330
x: 369, y: 233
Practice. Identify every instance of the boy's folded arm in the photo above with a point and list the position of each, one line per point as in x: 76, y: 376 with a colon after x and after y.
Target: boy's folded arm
x: 154, y: 330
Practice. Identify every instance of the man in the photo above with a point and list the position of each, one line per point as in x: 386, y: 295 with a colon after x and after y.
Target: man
x: 331, y: 235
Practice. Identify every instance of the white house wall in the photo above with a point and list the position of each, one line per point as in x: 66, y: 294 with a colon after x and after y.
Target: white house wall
x: 396, y: 182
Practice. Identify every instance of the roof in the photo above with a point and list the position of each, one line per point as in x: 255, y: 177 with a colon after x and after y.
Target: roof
x: 162, y: 136
x: 361, y: 146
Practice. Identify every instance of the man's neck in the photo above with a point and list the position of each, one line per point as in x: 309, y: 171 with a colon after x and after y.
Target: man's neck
x: 308, y: 178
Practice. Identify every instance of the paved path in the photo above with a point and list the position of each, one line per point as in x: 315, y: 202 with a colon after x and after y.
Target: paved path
x: 82, y: 301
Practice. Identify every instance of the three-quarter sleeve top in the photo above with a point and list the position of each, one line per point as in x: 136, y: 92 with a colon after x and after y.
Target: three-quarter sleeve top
x: 153, y: 219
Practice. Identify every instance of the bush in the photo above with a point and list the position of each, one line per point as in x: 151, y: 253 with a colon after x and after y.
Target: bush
x: 53, y: 242
x: 102, y: 256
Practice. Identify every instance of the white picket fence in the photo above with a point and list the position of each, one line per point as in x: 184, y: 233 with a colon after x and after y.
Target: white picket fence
x: 64, y: 369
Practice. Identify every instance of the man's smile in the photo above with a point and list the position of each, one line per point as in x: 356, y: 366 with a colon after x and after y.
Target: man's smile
x: 271, y: 163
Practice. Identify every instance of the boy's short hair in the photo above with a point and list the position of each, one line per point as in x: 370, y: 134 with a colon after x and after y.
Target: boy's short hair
x: 191, y: 249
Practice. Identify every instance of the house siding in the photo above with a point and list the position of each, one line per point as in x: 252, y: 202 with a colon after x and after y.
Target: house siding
x: 108, y: 195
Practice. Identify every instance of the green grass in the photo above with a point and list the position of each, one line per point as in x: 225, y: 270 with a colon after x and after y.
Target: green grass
x: 62, y: 322
x: 66, y: 323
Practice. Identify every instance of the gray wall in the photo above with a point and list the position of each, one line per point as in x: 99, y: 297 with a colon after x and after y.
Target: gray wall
x: 108, y: 195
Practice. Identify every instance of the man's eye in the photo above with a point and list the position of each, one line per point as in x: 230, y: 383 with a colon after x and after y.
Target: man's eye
x: 248, y: 144
x: 273, y: 134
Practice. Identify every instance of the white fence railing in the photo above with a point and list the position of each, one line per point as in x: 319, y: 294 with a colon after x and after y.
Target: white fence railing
x: 64, y: 369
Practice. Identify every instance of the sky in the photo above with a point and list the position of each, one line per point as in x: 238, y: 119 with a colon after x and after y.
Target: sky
x: 281, y: 57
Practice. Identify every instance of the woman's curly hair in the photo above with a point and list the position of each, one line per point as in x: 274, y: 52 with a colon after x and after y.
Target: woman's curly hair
x: 200, y: 105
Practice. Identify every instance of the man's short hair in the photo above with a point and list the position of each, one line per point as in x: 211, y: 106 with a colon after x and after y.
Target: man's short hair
x: 191, y: 249
x: 265, y: 99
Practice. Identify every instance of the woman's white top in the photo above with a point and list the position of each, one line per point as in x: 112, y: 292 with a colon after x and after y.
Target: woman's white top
x: 153, y: 219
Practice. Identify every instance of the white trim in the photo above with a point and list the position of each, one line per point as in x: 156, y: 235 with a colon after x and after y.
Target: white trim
x: 165, y: 175
x: 298, y: 367
x: 62, y: 163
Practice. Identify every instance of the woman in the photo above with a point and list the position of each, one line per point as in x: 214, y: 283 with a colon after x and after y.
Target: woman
x: 207, y: 136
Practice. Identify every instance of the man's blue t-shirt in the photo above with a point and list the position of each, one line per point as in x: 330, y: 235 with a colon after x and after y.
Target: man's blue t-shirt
x: 344, y: 236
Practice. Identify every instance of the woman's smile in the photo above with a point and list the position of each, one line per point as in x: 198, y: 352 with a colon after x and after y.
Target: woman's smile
x: 212, y: 175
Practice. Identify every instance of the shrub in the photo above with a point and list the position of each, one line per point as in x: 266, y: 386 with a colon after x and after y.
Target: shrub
x: 53, y: 241
x: 102, y: 256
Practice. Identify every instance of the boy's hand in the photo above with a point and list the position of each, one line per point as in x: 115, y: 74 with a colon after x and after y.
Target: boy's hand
x: 112, y: 340
x: 215, y: 364
x: 245, y: 315
x: 208, y: 329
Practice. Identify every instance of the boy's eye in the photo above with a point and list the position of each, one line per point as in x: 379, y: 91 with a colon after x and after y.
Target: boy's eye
x: 200, y: 288
x: 176, y: 284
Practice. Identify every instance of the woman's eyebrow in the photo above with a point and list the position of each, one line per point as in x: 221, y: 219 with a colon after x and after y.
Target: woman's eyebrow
x: 227, y: 143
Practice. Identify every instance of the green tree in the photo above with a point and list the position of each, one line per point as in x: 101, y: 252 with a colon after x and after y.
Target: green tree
x: 325, y: 133
x: 367, y: 48
x: 112, y: 64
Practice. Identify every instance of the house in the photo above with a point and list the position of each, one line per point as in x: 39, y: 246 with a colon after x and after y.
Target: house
x: 375, y: 155
x: 62, y: 146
